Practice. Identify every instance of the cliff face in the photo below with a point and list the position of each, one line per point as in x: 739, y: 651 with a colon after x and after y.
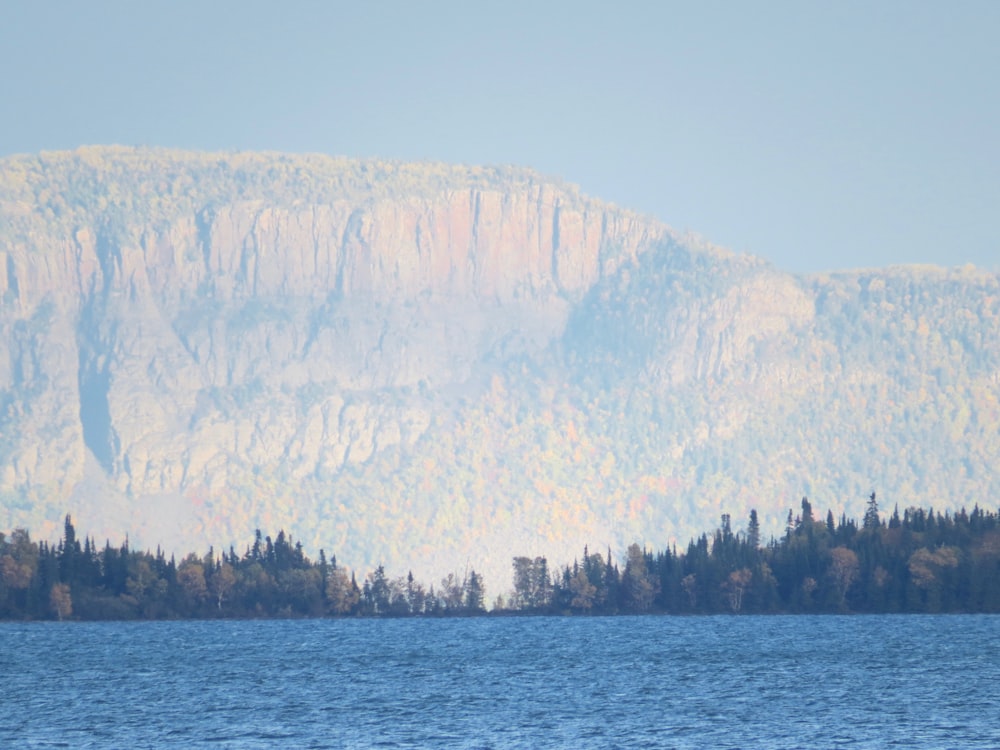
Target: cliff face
x: 185, y: 343
x: 491, y: 235
x: 427, y: 364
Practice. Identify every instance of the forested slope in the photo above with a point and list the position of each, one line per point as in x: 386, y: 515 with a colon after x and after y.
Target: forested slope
x: 444, y: 365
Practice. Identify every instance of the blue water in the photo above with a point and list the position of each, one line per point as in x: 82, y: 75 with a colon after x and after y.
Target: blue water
x: 668, y: 682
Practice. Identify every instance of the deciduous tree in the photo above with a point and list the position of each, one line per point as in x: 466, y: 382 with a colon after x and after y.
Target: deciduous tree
x: 60, y: 601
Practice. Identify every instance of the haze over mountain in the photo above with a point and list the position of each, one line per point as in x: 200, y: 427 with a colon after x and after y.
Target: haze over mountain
x: 432, y: 366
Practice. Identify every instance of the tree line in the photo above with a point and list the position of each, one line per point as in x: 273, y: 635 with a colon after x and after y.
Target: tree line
x: 273, y: 578
x: 920, y: 561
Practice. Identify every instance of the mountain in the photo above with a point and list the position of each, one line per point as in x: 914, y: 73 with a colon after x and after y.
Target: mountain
x: 439, y: 366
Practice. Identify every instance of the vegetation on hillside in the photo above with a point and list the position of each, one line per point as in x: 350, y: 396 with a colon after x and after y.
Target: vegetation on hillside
x: 685, y: 384
x: 126, y: 190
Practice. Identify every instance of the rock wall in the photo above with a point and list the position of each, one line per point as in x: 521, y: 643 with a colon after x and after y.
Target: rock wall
x: 185, y: 342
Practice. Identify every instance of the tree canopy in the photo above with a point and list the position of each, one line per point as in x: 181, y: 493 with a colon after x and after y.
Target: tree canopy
x: 920, y: 561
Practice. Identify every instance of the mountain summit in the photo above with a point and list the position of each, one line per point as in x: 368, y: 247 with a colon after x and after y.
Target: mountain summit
x: 427, y: 365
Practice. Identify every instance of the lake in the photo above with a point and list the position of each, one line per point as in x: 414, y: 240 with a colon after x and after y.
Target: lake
x: 509, y: 682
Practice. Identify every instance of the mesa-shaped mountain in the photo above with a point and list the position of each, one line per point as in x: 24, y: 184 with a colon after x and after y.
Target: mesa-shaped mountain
x: 434, y: 366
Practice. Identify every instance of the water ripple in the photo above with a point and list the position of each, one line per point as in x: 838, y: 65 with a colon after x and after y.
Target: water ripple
x: 724, y: 682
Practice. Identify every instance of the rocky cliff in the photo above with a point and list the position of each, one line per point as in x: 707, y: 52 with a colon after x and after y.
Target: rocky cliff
x: 423, y: 361
x: 292, y: 311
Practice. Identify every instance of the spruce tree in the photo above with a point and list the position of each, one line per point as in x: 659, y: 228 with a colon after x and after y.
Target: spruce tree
x: 871, y: 520
x: 753, y: 531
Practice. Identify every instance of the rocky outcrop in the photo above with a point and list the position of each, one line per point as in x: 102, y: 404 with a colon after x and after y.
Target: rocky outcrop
x: 501, y: 238
x: 185, y: 343
x: 427, y: 364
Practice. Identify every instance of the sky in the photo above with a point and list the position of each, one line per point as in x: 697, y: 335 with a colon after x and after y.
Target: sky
x: 818, y: 135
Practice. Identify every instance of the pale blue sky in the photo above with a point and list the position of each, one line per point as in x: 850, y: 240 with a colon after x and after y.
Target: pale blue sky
x: 819, y: 135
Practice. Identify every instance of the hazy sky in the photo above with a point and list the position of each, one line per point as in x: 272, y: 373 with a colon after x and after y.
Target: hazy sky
x: 819, y: 135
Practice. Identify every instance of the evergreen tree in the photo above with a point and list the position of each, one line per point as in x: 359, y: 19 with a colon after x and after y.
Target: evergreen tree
x: 871, y: 520
x: 379, y: 591
x: 70, y: 553
x: 806, y: 522
x: 543, y: 584
x: 474, y: 592
x: 753, y: 531
x: 324, y: 574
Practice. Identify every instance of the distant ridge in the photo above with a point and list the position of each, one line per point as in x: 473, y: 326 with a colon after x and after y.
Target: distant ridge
x: 440, y: 363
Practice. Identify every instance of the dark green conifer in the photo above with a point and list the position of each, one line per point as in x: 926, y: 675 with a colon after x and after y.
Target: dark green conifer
x: 871, y: 520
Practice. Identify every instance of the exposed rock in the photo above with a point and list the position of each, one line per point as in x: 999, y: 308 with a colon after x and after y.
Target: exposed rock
x: 180, y: 342
x: 424, y: 363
